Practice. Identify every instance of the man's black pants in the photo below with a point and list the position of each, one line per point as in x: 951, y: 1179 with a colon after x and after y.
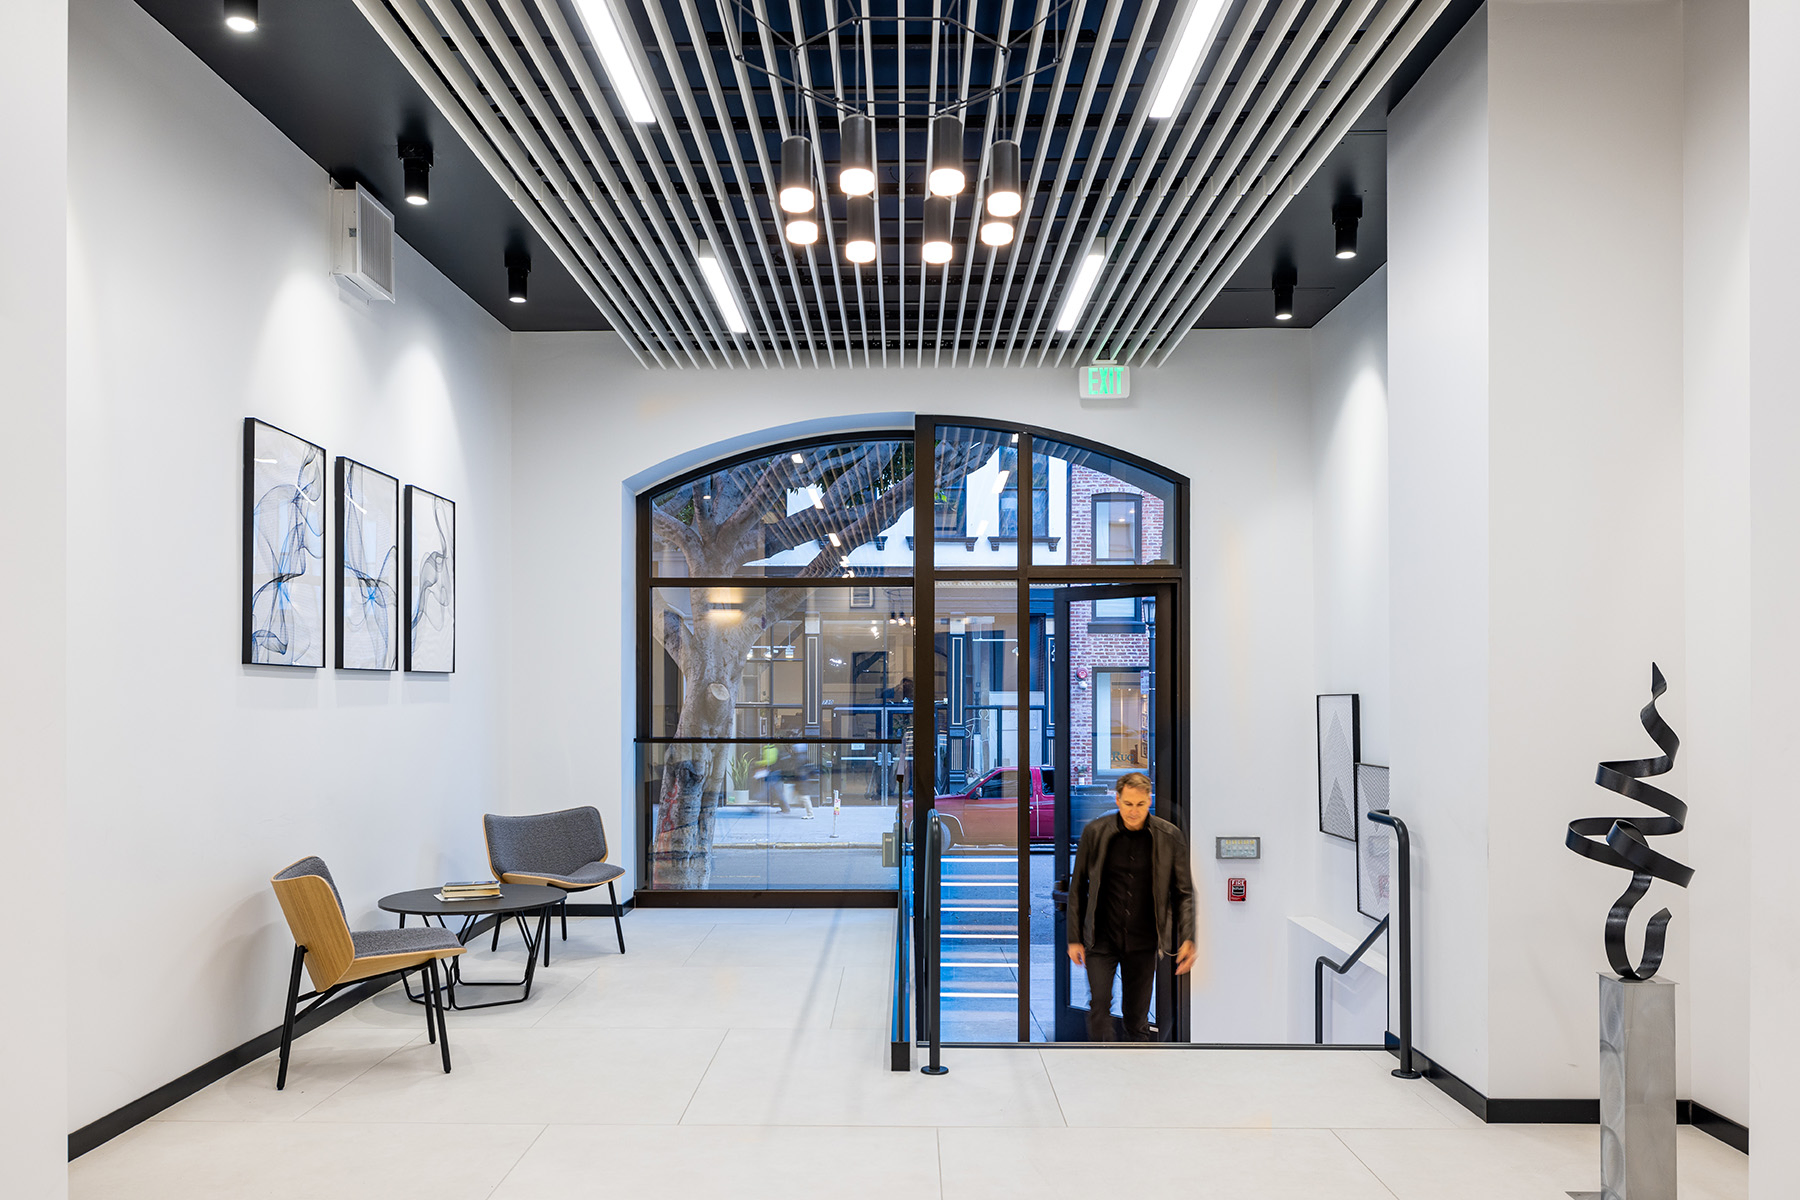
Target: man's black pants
x: 1139, y: 973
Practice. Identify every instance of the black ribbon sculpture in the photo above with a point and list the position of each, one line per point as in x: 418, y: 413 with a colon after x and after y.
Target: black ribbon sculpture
x: 1622, y: 841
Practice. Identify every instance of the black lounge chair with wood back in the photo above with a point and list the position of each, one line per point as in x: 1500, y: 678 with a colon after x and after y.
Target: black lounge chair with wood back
x: 564, y: 849
x: 336, y: 956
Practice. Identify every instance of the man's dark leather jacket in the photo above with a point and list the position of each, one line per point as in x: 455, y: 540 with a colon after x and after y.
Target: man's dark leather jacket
x: 1171, y: 879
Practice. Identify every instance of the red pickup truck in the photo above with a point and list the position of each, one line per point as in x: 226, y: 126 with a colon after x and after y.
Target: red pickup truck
x: 986, y: 813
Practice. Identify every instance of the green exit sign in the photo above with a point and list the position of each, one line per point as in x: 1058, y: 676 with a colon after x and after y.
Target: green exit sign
x: 1108, y: 381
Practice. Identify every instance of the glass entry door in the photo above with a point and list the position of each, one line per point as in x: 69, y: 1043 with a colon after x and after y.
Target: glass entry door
x: 1114, y: 717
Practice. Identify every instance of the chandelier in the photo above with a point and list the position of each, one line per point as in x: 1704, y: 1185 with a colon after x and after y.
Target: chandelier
x: 976, y: 70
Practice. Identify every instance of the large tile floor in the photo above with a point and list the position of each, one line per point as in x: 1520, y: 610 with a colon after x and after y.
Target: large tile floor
x: 741, y: 1054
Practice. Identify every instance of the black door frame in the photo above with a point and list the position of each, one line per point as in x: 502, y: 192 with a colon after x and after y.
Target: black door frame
x: 1165, y: 635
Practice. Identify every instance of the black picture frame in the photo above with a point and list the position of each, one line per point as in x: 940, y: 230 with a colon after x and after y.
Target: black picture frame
x: 1333, y: 712
x: 357, y: 656
x: 429, y: 563
x: 1374, y: 844
x: 283, y: 610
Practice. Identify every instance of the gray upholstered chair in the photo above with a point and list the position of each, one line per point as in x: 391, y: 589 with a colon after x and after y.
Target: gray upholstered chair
x: 335, y: 955
x: 565, y: 849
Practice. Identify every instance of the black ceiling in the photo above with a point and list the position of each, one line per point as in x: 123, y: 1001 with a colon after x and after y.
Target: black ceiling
x: 321, y: 74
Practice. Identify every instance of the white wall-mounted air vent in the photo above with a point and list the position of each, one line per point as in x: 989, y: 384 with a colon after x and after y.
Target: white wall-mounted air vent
x: 363, y: 232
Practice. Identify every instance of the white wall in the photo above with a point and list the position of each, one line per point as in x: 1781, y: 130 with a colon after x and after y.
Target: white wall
x: 199, y: 294
x: 33, y: 1025
x: 1718, y: 739
x: 1774, y: 314
x: 1348, y: 360
x: 1585, y: 487
x: 1438, y: 495
x: 1232, y: 413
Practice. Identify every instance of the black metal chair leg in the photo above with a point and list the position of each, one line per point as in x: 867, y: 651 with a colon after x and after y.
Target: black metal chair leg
x: 287, y: 1020
x: 425, y: 991
x: 564, y: 906
x: 618, y: 925
x: 437, y: 994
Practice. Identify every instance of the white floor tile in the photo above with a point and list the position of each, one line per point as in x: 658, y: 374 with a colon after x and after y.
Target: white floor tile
x: 741, y: 1163
x: 1529, y: 1162
x: 528, y: 1076
x: 839, y: 1077
x: 865, y: 1000
x: 789, y: 945
x: 1153, y: 1164
x: 186, y: 1160
x: 646, y: 996
x: 321, y: 1062
x: 1291, y: 1089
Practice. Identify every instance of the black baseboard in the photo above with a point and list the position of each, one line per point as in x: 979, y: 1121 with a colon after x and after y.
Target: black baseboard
x: 1507, y: 1111
x: 766, y: 899
x: 98, y: 1133
x: 599, y: 910
x: 1724, y: 1128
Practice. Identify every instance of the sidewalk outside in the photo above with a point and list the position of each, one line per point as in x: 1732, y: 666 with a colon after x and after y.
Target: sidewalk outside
x: 766, y: 827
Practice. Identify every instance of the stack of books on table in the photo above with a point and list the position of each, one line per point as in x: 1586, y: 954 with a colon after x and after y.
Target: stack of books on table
x: 476, y: 889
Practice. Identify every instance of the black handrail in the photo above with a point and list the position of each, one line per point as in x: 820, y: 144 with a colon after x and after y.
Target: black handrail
x: 1319, y: 966
x: 1406, y: 1069
x: 931, y: 972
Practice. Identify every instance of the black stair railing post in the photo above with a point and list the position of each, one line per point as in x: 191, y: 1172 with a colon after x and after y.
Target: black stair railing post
x: 933, y: 981
x: 1408, y: 1068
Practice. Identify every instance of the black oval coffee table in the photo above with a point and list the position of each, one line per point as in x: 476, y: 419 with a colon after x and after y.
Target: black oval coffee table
x: 515, y: 900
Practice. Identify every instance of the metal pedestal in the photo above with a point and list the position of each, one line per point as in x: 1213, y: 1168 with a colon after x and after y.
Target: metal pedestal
x: 1637, y: 1089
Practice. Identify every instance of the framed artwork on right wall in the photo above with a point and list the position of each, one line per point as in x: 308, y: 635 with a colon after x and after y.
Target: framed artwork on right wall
x: 1340, y: 745
x: 1374, y: 844
x: 430, y: 559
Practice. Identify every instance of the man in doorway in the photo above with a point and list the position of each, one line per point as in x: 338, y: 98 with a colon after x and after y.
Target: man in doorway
x: 1131, y: 897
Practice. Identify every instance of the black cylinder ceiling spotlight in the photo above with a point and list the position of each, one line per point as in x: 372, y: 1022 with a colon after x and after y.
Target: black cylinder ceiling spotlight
x: 947, y: 178
x: 856, y: 169
x: 940, y: 217
x: 859, y: 247
x: 240, y: 16
x: 1344, y: 216
x: 518, y: 270
x: 1283, y: 282
x: 415, y: 158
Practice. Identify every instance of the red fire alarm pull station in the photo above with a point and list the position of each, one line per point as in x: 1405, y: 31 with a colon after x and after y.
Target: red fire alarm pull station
x: 1236, y: 889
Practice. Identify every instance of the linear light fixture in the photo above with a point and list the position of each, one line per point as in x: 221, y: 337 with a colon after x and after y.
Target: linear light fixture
x: 724, y: 293
x: 1080, y: 288
x: 1196, y: 35
x: 621, y: 71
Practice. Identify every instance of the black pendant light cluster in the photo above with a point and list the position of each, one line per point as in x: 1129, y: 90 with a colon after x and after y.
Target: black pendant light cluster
x: 946, y: 179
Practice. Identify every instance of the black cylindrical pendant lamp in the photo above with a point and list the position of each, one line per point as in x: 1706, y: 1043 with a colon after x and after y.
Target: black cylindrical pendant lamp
x: 415, y: 158
x: 1283, y: 283
x: 947, y: 177
x: 859, y: 247
x: 797, y: 194
x: 518, y: 270
x: 1004, y: 198
x: 241, y: 16
x: 940, y: 217
x: 856, y: 148
x: 1344, y: 216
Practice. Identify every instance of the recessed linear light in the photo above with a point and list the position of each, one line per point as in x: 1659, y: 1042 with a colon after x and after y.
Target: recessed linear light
x: 241, y: 16
x: 1196, y: 35
x: 1080, y: 288
x: 724, y: 294
x: 621, y: 71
